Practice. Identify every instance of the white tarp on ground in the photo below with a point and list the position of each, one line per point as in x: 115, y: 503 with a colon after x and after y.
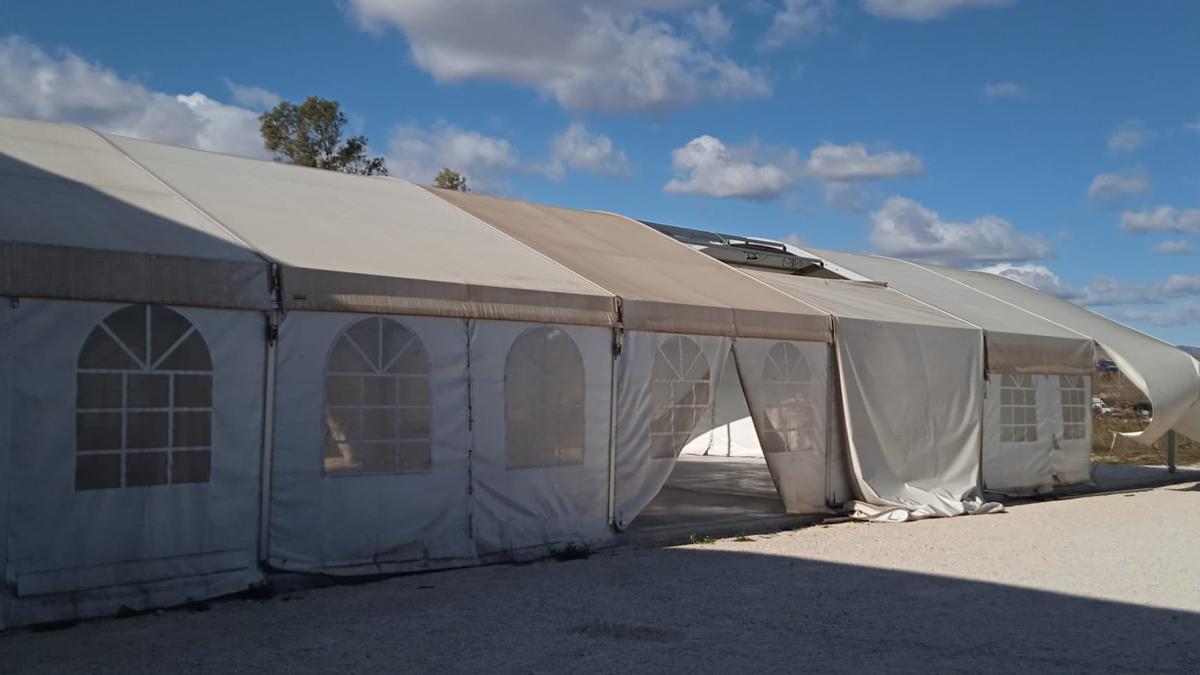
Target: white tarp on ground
x: 1037, y: 432
x: 540, y: 405
x: 911, y: 382
x: 133, y: 437
x: 787, y: 387
x: 346, y: 498
x: 1166, y: 374
x: 665, y: 386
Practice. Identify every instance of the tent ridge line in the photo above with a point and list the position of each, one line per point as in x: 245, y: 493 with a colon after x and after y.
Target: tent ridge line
x: 175, y: 191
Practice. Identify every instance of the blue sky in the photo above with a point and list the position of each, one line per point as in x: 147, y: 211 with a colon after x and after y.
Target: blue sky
x: 1056, y: 142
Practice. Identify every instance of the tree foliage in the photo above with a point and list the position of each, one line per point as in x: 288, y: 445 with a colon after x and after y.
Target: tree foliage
x: 451, y: 180
x: 310, y: 134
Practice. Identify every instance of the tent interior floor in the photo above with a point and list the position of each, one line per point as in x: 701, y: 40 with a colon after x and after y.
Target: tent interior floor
x: 715, y: 497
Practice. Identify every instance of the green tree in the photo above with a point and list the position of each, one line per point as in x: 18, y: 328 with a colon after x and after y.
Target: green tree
x: 451, y: 180
x: 310, y: 134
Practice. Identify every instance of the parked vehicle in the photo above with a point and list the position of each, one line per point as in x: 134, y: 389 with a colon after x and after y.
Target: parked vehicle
x: 1107, y: 366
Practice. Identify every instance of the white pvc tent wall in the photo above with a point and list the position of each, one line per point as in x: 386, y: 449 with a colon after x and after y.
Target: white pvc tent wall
x: 129, y: 462
x: 682, y: 312
x: 1031, y: 440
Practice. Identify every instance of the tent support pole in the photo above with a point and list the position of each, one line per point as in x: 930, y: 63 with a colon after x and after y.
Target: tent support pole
x: 612, y: 427
x: 1171, y: 446
x: 268, y: 442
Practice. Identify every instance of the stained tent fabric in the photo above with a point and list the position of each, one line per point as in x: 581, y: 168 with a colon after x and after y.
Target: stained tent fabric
x: 80, y: 221
x: 911, y: 387
x: 1017, y: 341
x: 1032, y: 447
x: 1163, y: 372
x: 681, y: 311
x: 376, y: 245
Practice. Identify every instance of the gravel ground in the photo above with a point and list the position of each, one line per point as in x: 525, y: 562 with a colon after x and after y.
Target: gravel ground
x: 1095, y: 583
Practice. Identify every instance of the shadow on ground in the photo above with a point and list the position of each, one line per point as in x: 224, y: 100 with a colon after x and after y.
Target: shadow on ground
x: 683, y: 609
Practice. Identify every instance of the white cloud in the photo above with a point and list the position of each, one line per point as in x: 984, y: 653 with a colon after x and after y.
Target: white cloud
x: 706, y: 166
x: 63, y: 87
x: 923, y: 10
x: 799, y: 21
x: 1194, y: 125
x: 710, y: 25
x: 854, y: 163
x: 1161, y: 219
x: 1173, y: 247
x: 1111, y: 189
x: 999, y: 90
x: 1131, y: 135
x: 614, y: 57
x: 905, y: 228
x: 1101, y: 290
x: 794, y: 239
x: 250, y: 96
x: 848, y: 197
x: 1173, y: 315
x: 417, y: 154
x: 579, y: 148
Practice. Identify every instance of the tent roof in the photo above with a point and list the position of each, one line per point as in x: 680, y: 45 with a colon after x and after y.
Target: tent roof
x: 79, y: 220
x: 1165, y: 373
x: 663, y: 285
x: 859, y: 300
x: 376, y: 244
x: 1018, y: 341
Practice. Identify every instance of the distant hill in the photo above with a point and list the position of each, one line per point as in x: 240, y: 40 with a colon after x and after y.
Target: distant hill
x: 1194, y: 351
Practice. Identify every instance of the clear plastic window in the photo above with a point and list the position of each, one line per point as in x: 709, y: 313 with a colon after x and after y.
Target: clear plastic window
x: 544, y: 400
x: 1018, y: 409
x: 143, y: 394
x: 679, y: 393
x: 1073, y: 394
x: 789, y: 420
x: 377, y: 408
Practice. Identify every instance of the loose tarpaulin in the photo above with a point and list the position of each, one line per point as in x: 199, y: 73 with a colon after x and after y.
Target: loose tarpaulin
x: 1037, y: 432
x: 1017, y: 341
x: 371, y: 444
x: 80, y: 221
x: 540, y: 405
x: 911, y: 382
x: 1166, y: 374
x: 664, y: 387
x: 373, y: 244
x: 148, y: 494
x: 664, y: 286
x: 787, y: 388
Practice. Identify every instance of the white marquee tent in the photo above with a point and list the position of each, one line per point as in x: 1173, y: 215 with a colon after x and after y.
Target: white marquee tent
x: 212, y: 367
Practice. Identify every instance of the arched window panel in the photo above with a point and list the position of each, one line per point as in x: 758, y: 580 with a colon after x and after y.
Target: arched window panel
x: 544, y: 396
x: 143, y: 402
x: 789, y: 419
x: 1018, y: 409
x: 1075, y: 412
x: 377, y: 401
x: 679, y: 391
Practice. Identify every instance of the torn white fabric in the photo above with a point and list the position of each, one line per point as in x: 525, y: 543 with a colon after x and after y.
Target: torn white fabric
x: 874, y: 513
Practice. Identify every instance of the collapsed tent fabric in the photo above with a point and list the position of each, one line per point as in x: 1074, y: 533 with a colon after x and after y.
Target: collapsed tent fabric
x: 911, y: 387
x: 1166, y: 374
x: 680, y: 311
x: 1027, y: 445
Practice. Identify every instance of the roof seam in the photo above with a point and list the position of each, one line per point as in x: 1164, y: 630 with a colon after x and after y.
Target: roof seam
x: 505, y: 235
x: 159, y: 179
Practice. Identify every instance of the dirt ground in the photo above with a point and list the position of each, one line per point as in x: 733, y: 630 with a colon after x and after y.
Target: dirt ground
x: 1116, y: 391
x: 1099, y: 583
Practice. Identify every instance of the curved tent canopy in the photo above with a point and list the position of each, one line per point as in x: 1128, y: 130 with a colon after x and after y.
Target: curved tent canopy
x: 912, y: 394
x: 379, y: 245
x: 80, y: 221
x: 1166, y: 374
x: 1018, y: 342
x: 663, y: 285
